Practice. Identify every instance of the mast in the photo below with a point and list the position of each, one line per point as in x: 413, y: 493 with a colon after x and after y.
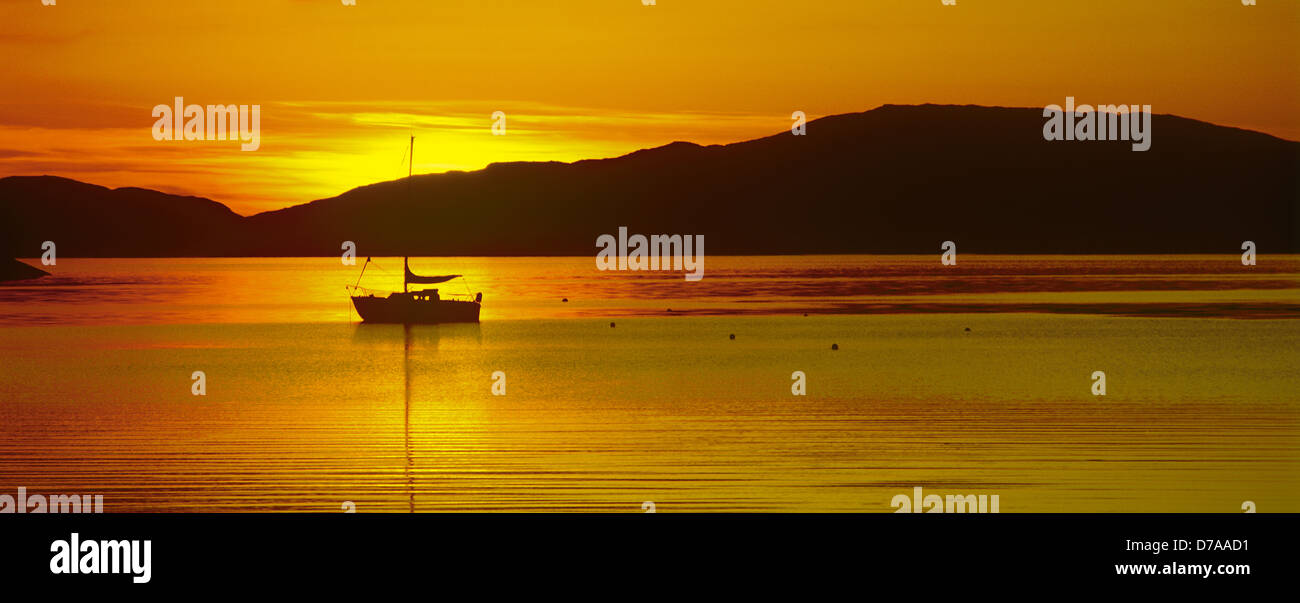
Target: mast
x: 410, y: 167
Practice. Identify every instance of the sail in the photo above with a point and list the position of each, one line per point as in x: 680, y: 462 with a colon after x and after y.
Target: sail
x: 412, y: 277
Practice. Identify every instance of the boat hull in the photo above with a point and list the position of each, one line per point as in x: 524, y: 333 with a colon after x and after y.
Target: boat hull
x: 405, y: 310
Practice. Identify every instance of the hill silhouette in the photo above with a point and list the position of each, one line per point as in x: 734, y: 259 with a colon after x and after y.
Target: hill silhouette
x: 896, y: 179
x: 85, y: 220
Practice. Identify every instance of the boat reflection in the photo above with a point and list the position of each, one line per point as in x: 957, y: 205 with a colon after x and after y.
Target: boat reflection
x: 423, y: 339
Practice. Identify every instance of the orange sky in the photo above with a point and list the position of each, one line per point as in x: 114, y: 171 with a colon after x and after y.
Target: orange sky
x: 341, y: 88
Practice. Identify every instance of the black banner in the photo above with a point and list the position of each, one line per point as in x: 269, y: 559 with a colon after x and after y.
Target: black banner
x: 572, y: 553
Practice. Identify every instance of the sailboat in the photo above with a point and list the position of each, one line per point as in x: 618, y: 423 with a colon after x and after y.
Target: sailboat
x: 425, y: 306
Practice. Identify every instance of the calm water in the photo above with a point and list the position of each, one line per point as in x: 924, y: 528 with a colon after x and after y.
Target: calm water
x: 306, y: 409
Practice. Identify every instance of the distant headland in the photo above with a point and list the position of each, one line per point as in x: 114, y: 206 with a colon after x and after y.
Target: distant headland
x: 14, y: 270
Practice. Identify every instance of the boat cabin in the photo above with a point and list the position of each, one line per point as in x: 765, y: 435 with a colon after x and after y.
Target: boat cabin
x: 423, y: 295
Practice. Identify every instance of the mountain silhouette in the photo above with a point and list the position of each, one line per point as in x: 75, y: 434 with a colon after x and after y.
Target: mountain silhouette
x: 85, y: 220
x: 896, y: 179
